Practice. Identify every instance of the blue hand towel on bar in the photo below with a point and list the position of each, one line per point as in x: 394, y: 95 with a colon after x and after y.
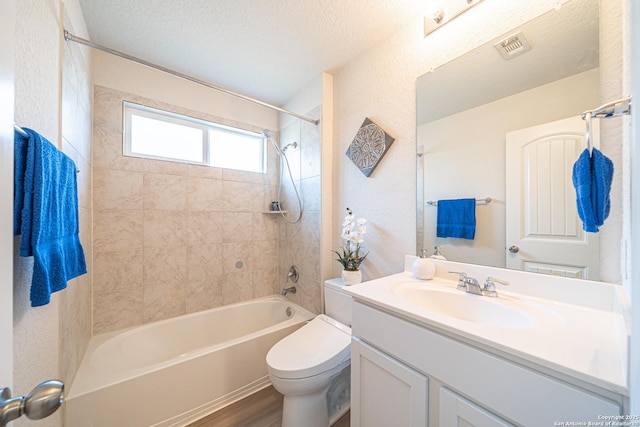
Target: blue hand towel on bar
x: 49, y: 220
x: 20, y: 144
x: 592, y: 176
x: 456, y: 218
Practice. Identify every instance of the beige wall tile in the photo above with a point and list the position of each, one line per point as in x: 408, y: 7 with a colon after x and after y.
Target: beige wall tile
x: 265, y: 254
x: 107, y: 150
x: 242, y: 176
x: 165, y: 228
x: 265, y: 226
x: 117, y: 229
x: 204, y: 194
x: 164, y: 301
x: 168, y: 235
x: 204, y: 228
x: 307, y: 258
x: 116, y: 189
x: 309, y: 227
x: 233, y: 253
x: 260, y: 201
x: 264, y: 281
x: 204, y: 294
x: 202, y: 171
x: 117, y: 270
x: 165, y: 167
x: 165, y: 192
x: 236, y: 196
x: 117, y: 310
x: 237, y: 287
x: 310, y: 187
x: 204, y: 262
x: 237, y: 226
x: 165, y: 265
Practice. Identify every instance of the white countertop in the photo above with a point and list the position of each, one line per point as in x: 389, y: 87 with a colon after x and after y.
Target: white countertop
x: 585, y: 337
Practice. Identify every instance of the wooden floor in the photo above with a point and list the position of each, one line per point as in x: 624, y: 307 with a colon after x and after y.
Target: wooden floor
x: 262, y: 409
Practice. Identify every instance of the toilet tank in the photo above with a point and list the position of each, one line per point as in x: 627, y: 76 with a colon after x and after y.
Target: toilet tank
x: 337, y: 303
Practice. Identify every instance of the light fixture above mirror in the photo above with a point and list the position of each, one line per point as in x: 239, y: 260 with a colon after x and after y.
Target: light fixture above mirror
x: 446, y: 12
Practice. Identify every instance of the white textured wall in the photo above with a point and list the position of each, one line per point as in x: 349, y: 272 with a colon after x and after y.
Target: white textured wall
x: 614, y: 134
x: 127, y: 76
x: 36, y: 330
x: 50, y: 340
x: 380, y: 84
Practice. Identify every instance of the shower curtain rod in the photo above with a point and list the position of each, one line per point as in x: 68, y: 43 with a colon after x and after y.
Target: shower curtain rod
x: 70, y: 37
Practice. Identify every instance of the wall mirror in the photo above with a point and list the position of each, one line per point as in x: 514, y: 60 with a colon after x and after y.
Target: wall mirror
x: 469, y: 113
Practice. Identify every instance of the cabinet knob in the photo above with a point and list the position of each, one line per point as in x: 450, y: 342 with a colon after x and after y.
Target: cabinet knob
x: 514, y: 249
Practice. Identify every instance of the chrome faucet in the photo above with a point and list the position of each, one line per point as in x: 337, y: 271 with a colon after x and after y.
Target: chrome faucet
x: 291, y: 290
x: 472, y: 286
x: 462, y: 280
x: 489, y: 289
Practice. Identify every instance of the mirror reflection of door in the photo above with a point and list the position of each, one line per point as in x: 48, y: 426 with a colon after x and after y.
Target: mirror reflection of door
x: 543, y: 230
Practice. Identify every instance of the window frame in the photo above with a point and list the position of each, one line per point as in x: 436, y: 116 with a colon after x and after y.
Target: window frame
x: 131, y: 108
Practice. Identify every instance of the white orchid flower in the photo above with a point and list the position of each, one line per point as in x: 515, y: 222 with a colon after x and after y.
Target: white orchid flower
x: 361, y: 221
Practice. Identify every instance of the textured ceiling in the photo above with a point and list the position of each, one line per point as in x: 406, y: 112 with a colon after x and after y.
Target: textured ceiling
x: 267, y: 49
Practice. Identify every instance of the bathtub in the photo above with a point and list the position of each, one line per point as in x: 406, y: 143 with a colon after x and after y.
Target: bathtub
x: 176, y: 371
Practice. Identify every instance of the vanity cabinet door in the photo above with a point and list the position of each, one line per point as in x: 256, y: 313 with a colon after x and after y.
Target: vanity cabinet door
x: 384, y: 392
x: 456, y: 411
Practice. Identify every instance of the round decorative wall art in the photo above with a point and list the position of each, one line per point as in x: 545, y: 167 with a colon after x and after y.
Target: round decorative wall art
x: 369, y: 146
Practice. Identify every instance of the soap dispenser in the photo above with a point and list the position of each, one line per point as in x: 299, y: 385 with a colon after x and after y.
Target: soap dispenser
x: 423, y: 268
x: 437, y: 254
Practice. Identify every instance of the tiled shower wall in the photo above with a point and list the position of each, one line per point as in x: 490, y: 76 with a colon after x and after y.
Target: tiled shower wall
x: 173, y: 238
x: 299, y: 243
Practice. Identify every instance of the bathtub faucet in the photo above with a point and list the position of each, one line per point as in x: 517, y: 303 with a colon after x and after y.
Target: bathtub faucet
x: 291, y: 290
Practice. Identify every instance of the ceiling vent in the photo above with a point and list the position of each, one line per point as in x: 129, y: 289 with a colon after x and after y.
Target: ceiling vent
x: 513, y: 46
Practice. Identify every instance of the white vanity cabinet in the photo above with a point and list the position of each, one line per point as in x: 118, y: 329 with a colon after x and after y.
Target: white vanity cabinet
x: 385, y: 392
x: 409, y: 374
x: 458, y: 411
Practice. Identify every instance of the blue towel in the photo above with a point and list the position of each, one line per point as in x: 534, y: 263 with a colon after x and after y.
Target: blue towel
x: 592, y: 176
x: 456, y: 218
x: 49, y: 219
x: 20, y: 144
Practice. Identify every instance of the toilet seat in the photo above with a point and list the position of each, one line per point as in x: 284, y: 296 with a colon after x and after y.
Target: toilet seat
x: 319, y: 346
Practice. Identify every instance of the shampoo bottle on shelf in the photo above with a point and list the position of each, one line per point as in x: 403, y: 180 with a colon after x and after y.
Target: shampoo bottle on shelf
x: 423, y: 268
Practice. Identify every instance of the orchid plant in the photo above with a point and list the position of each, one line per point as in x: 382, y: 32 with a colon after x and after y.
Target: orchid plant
x: 352, y: 236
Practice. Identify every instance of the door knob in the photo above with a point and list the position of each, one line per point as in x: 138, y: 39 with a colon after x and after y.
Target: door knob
x: 43, y: 401
x: 514, y: 249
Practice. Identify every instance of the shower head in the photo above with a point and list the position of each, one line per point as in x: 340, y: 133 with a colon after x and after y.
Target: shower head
x: 266, y: 133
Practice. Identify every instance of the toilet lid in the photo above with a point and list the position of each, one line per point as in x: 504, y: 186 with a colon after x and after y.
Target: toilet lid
x: 317, y: 347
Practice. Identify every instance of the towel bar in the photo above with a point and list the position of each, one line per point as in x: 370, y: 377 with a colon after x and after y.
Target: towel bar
x: 26, y: 135
x: 484, y: 201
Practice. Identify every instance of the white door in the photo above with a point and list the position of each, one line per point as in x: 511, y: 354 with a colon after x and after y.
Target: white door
x: 544, y: 232
x: 7, y: 44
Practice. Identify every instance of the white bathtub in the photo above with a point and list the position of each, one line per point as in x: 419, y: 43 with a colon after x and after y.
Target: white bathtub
x: 175, y: 371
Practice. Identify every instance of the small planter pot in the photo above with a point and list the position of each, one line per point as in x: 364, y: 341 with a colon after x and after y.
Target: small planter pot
x: 351, y: 277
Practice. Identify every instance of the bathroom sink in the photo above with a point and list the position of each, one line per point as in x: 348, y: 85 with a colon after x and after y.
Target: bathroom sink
x: 467, y: 307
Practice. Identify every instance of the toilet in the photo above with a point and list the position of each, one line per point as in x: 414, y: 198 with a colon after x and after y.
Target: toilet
x: 311, y: 366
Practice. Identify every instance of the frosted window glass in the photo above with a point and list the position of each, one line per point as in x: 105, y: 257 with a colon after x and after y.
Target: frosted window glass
x: 164, y: 139
x: 236, y: 151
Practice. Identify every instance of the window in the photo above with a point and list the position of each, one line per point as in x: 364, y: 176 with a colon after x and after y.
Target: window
x: 157, y: 134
